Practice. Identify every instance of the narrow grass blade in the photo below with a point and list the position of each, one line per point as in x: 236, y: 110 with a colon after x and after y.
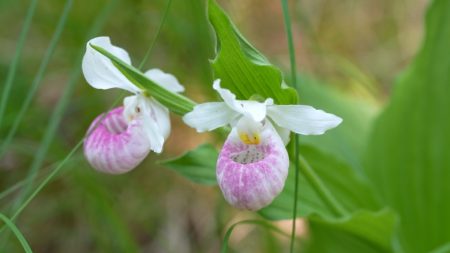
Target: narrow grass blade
x: 38, y: 78
x: 13, y: 67
x: 17, y: 233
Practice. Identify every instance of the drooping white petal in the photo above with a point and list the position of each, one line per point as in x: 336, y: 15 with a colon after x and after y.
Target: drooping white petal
x: 251, y: 176
x: 255, y: 110
x: 284, y: 133
x: 209, y: 116
x: 100, y: 72
x: 114, y: 145
x: 140, y: 108
x: 161, y: 115
x: 165, y: 80
x: 303, y: 119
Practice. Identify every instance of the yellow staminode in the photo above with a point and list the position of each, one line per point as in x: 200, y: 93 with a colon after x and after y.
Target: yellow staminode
x: 250, y: 139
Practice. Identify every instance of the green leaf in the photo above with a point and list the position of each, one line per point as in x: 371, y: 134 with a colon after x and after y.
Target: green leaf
x: 408, y: 156
x: 360, y: 220
x: 175, y: 102
x: 340, y: 180
x: 198, y: 165
x: 363, y: 232
x: 347, y: 141
x: 241, y: 68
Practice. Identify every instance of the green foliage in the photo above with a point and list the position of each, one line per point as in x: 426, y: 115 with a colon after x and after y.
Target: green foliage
x: 351, y: 192
x: 364, y: 232
x: 197, y: 165
x: 346, y: 142
x: 240, y: 67
x: 408, y: 159
x: 260, y: 223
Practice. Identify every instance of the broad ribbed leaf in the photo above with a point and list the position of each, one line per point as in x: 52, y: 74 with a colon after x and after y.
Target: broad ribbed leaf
x: 363, y: 232
x: 409, y: 154
x: 347, y: 141
x: 198, y: 165
x: 240, y: 67
x: 175, y: 102
x: 341, y: 181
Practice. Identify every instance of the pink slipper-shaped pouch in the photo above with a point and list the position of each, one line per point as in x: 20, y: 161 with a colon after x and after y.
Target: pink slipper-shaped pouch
x: 113, y: 145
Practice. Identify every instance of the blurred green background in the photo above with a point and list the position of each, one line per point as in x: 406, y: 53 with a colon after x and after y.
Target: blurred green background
x: 355, y: 47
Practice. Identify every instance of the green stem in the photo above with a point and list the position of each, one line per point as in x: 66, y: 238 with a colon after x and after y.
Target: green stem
x: 149, y: 50
x: 320, y: 188
x: 13, y: 69
x: 288, y: 27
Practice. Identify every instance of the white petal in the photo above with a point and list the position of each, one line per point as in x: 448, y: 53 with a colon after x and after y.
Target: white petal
x: 209, y: 116
x: 165, y: 80
x: 100, y: 72
x: 253, y: 109
x: 161, y: 116
x: 284, y: 133
x: 153, y: 132
x: 142, y: 109
x: 303, y: 119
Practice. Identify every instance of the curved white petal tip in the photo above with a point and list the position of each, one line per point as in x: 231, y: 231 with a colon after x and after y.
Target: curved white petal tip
x: 165, y: 80
x: 209, y: 116
x: 100, y: 72
x: 253, y: 109
x: 303, y: 119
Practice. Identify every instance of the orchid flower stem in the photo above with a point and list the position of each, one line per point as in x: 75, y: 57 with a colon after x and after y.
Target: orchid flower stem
x: 320, y: 188
x: 294, y: 208
x: 288, y: 27
x: 149, y: 50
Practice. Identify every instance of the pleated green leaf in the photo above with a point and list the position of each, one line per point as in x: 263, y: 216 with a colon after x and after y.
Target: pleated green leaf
x: 175, y: 102
x: 346, y: 142
x: 198, y: 165
x: 363, y: 232
x: 341, y: 181
x: 241, y: 68
x: 409, y: 153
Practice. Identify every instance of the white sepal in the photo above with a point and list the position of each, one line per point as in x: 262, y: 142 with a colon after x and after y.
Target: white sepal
x: 253, y: 109
x: 303, y: 119
x: 165, y: 80
x: 209, y: 116
x: 100, y: 72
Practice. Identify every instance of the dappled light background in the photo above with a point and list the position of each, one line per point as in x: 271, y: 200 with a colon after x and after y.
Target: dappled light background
x: 352, y: 48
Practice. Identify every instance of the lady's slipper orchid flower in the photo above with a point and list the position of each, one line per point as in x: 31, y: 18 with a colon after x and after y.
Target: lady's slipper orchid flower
x: 253, y: 163
x: 126, y: 134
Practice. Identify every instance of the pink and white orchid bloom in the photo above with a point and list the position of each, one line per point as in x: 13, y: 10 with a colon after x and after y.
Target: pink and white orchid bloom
x: 126, y: 134
x: 253, y: 164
